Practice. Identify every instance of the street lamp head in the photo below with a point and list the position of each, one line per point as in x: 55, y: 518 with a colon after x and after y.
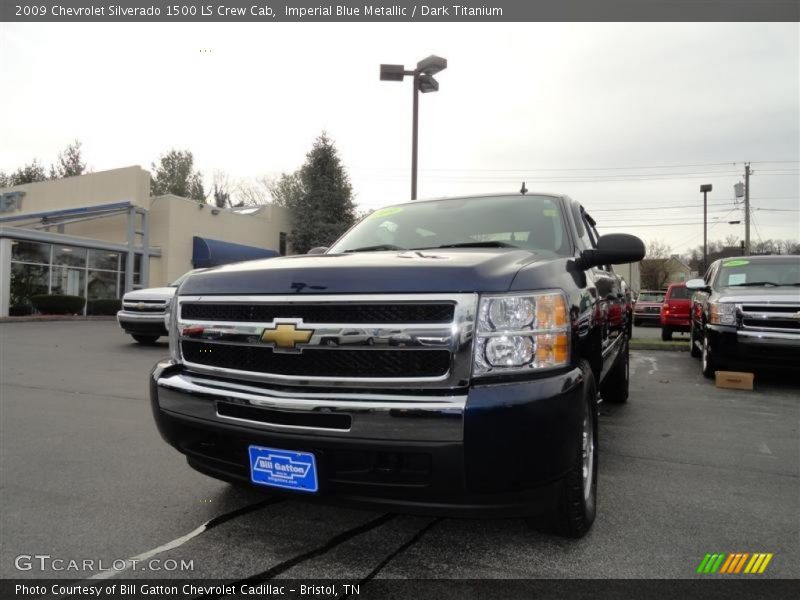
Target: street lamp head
x: 706, y: 187
x: 427, y: 84
x: 392, y: 72
x: 431, y: 65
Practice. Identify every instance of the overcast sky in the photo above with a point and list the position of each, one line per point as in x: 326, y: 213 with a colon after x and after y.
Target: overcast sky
x: 570, y: 108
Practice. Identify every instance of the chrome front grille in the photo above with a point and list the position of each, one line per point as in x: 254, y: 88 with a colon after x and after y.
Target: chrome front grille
x: 783, y: 318
x: 358, y: 340
x: 322, y: 313
x: 145, y: 306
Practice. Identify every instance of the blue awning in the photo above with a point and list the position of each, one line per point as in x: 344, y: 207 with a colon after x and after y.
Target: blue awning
x: 212, y: 253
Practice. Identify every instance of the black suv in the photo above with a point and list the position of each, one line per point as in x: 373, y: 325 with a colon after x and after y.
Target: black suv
x: 486, y: 326
x: 746, y: 314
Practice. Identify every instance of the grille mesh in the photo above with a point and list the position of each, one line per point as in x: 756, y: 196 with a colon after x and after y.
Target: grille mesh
x: 320, y: 363
x: 321, y: 313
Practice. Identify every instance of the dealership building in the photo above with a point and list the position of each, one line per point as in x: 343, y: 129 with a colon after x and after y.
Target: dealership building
x: 102, y: 234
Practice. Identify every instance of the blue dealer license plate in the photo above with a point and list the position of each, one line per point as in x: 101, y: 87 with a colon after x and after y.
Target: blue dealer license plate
x: 283, y: 468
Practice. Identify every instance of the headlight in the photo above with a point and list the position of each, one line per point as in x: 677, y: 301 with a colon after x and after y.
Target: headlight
x: 721, y: 313
x: 172, y: 329
x: 521, y: 332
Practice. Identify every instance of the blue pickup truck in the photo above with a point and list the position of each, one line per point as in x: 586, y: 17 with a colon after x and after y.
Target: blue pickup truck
x: 443, y: 356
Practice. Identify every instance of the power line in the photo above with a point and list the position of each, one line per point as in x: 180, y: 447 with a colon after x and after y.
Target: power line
x: 693, y: 238
x: 652, y: 208
x: 568, y: 169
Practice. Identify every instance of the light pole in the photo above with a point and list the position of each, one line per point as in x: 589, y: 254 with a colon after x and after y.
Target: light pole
x: 423, y: 81
x: 705, y: 188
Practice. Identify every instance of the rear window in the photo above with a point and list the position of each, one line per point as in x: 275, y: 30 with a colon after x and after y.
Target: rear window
x: 651, y: 297
x: 680, y: 293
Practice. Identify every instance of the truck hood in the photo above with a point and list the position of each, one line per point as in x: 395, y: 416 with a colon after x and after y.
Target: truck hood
x: 451, y: 270
x: 164, y: 293
x: 760, y: 295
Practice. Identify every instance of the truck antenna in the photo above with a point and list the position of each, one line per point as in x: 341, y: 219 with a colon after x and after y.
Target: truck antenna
x: 523, y: 190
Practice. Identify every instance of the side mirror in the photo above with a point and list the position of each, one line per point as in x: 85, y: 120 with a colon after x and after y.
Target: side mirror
x: 613, y: 249
x: 318, y: 250
x: 697, y: 285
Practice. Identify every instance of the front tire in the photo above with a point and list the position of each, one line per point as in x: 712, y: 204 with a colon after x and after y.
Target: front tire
x: 577, y: 505
x: 666, y: 334
x: 707, y: 364
x: 147, y: 340
x: 694, y: 351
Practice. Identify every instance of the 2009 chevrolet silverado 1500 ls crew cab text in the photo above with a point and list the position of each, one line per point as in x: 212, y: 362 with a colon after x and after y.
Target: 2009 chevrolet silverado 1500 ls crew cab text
x: 486, y: 326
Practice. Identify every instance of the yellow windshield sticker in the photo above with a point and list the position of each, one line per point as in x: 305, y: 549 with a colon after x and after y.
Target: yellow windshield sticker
x: 736, y: 263
x: 385, y: 212
x: 549, y: 212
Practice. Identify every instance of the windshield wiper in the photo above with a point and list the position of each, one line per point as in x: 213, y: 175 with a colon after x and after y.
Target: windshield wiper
x: 486, y: 244
x: 376, y: 247
x: 755, y: 284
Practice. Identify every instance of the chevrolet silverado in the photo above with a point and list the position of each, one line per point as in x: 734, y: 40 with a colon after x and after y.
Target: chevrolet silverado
x: 489, y: 325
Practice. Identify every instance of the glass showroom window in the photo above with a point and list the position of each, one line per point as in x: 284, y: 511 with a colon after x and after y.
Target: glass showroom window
x: 30, y: 274
x: 26, y: 280
x: 68, y: 282
x: 38, y: 268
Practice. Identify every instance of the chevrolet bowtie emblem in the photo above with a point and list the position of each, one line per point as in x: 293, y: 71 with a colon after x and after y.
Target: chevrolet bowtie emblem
x: 285, y: 336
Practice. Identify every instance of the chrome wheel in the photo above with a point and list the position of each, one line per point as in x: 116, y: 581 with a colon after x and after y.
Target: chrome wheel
x: 588, y: 457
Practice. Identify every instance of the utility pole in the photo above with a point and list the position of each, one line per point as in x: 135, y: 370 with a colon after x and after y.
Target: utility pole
x: 705, y: 188
x: 747, y: 208
x: 414, y: 136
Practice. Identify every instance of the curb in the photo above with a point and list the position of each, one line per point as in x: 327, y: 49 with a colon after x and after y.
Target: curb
x: 47, y: 318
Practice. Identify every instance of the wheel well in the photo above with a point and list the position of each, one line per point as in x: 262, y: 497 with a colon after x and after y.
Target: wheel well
x: 592, y: 352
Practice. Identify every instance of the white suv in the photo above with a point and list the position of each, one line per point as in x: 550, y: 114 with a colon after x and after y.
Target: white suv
x: 144, y: 311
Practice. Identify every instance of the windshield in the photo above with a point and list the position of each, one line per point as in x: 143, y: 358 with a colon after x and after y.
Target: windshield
x: 680, y: 293
x: 772, y: 271
x: 183, y: 277
x: 651, y: 297
x: 534, y: 223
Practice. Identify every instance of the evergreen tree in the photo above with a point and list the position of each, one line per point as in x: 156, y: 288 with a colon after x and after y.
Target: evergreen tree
x: 175, y: 174
x: 70, y: 162
x: 319, y: 196
x: 30, y: 173
x: 222, y: 197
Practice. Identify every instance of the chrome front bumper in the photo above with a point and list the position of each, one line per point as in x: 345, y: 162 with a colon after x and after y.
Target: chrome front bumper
x: 371, y: 415
x: 132, y: 317
x: 752, y: 337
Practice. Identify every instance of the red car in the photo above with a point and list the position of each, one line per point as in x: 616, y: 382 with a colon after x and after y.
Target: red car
x: 675, y: 310
x: 648, y: 306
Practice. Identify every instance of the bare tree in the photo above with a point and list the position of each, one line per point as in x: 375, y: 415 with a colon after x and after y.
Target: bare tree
x: 731, y: 240
x: 222, y: 187
x: 653, y: 269
x: 254, y: 192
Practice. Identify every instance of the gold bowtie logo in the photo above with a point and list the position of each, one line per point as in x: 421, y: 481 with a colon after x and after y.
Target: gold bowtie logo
x: 286, y: 336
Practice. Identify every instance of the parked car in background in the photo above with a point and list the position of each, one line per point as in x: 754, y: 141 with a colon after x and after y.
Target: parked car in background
x: 144, y: 311
x: 648, y: 306
x: 675, y: 310
x: 746, y: 314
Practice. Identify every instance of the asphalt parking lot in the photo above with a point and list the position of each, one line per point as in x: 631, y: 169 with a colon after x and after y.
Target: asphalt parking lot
x: 685, y: 469
x: 652, y: 331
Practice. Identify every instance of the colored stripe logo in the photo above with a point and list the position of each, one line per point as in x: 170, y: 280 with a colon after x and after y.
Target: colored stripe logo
x: 734, y: 563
